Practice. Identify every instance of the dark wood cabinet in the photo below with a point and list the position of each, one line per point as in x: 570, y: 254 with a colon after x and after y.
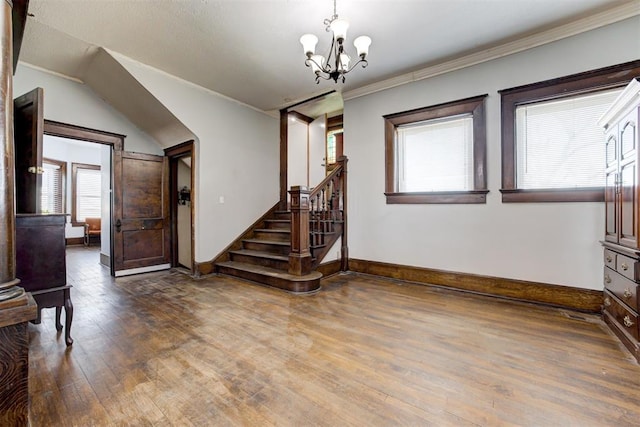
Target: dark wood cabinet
x: 621, y: 276
x: 41, y: 264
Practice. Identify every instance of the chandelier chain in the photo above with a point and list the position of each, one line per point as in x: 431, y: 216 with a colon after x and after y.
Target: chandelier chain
x: 328, y: 21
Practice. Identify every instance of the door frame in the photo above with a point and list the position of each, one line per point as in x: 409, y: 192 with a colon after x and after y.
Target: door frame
x: 116, y: 141
x: 175, y: 153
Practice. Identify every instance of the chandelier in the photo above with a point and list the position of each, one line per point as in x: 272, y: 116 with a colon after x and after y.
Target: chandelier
x: 336, y: 63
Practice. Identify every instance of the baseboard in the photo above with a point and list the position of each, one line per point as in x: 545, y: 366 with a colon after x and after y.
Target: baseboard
x: 585, y: 300
x: 105, y: 260
x: 69, y: 241
x: 329, y: 268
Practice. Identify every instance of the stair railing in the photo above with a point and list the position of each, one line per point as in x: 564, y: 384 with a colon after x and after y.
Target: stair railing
x: 314, y: 213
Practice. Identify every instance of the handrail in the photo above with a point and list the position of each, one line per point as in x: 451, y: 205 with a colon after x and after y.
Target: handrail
x: 315, y: 213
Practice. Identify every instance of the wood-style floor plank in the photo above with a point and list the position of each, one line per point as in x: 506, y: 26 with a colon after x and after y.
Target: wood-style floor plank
x: 164, y: 349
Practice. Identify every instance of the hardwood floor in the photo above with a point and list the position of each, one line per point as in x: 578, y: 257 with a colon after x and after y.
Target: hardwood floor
x: 165, y: 349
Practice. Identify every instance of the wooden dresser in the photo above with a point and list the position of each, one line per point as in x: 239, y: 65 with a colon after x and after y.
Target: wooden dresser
x: 41, y: 264
x: 622, y: 226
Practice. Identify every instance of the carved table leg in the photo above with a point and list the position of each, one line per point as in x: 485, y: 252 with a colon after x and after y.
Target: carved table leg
x: 68, y: 311
x: 58, y: 324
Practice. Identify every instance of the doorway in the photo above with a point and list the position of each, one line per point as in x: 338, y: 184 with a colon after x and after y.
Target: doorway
x: 92, y: 151
x: 182, y: 201
x: 306, y: 130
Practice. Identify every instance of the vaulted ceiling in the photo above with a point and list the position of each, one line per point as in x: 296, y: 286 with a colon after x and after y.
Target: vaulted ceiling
x: 249, y: 49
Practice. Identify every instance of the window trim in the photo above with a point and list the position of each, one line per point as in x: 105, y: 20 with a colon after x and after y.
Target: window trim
x: 63, y: 181
x: 74, y: 186
x: 616, y: 76
x: 474, y: 106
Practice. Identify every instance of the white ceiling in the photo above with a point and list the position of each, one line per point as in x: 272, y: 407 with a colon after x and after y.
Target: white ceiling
x: 249, y: 49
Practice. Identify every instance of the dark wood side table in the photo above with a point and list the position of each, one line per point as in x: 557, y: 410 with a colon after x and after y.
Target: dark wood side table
x: 41, y: 265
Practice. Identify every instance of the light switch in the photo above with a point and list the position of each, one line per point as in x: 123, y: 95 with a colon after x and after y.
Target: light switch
x: 221, y: 199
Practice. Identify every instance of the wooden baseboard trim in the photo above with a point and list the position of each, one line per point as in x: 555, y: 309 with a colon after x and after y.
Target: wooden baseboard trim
x: 74, y: 241
x: 585, y: 300
x: 329, y: 268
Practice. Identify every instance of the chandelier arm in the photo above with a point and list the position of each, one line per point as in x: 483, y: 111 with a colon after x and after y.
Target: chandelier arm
x: 364, y: 63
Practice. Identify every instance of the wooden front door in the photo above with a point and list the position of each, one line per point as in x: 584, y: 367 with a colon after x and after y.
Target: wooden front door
x: 141, y: 227
x: 28, y: 130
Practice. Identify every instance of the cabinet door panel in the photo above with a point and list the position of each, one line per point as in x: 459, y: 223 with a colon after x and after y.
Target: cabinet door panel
x: 628, y: 137
x: 612, y: 152
x: 628, y: 177
x: 610, y: 200
x: 628, y: 211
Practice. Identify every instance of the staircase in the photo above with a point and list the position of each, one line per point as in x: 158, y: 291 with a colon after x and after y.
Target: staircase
x: 284, y: 248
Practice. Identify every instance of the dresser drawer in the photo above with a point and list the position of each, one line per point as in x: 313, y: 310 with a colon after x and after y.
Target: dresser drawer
x: 623, y: 288
x: 610, y: 259
x: 626, y: 319
x: 627, y: 266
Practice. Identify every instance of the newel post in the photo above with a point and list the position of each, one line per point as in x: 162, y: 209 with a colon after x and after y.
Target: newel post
x: 344, y: 251
x: 300, y: 256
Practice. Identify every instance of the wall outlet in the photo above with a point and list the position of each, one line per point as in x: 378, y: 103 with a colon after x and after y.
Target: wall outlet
x: 221, y: 199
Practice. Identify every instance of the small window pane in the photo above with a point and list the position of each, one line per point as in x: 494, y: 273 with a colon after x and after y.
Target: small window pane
x: 331, y: 148
x: 559, y: 144
x: 435, y: 155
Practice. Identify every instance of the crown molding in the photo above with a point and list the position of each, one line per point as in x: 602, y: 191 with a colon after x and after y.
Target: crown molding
x: 53, y: 73
x: 582, y: 25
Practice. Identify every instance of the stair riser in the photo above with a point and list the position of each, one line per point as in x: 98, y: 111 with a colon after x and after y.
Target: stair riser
x: 277, y: 225
x: 274, y: 263
x: 280, y: 237
x: 282, y: 215
x: 297, y: 287
x: 265, y: 247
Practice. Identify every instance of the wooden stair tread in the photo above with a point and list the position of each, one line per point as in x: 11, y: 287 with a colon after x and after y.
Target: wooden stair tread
x: 260, y: 254
x: 267, y: 242
x: 268, y: 271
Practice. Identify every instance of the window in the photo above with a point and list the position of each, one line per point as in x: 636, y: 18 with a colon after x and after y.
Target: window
x: 331, y: 148
x: 53, y: 186
x: 87, y: 192
x: 552, y: 148
x: 437, y: 154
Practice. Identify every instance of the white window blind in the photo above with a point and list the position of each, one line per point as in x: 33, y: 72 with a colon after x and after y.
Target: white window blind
x: 436, y: 155
x: 88, y: 193
x: 559, y: 144
x: 51, y: 190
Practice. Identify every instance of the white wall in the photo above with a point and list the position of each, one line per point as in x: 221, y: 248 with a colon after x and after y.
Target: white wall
x: 297, y: 147
x: 237, y: 157
x: 543, y: 242
x: 70, y: 102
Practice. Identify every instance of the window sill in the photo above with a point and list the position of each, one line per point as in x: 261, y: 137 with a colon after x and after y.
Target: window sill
x: 592, y: 194
x: 439, y: 197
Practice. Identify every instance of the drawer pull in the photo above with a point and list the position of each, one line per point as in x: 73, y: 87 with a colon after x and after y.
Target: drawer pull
x: 627, y: 293
x: 607, y: 279
x: 609, y: 259
x: 607, y: 302
x: 624, y: 266
x: 627, y: 321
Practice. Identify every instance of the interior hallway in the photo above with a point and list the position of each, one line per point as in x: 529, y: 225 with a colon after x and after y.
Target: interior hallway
x: 164, y: 349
